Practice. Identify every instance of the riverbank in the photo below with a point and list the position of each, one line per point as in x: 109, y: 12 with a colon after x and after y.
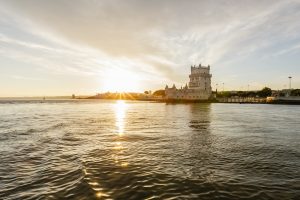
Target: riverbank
x: 238, y: 100
x: 219, y: 100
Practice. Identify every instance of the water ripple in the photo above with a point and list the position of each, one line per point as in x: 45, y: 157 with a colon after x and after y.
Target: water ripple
x: 139, y: 150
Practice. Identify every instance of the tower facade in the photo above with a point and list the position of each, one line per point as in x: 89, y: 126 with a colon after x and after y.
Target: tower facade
x: 200, y: 78
x: 199, y: 87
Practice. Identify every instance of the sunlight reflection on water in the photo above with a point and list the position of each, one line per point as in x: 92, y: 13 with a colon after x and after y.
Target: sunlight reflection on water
x: 139, y: 150
x: 120, y: 112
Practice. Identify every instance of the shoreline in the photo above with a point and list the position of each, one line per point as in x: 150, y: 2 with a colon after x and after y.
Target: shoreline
x: 156, y: 100
x: 186, y: 101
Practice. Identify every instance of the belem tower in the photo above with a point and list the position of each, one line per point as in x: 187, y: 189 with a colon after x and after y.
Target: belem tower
x: 199, y: 87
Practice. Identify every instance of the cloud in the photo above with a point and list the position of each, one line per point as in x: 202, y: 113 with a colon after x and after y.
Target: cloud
x: 153, y: 38
x: 18, y: 77
x: 135, y: 28
x: 292, y: 48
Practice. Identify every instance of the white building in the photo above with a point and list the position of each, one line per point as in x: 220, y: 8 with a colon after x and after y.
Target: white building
x: 199, y: 87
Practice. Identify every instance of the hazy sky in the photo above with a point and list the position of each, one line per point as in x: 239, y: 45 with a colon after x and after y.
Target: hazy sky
x: 83, y: 47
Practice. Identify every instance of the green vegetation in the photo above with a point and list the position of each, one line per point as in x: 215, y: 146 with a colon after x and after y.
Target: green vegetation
x: 265, y: 92
x: 295, y: 92
x: 159, y: 93
x: 262, y: 93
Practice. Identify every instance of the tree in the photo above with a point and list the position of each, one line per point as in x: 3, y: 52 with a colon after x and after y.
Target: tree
x: 224, y: 94
x: 146, y: 92
x: 265, y: 92
x: 251, y: 94
x: 242, y: 94
x: 159, y: 93
x: 295, y: 92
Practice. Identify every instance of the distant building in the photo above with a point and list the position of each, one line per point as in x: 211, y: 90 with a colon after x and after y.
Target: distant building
x: 199, y: 87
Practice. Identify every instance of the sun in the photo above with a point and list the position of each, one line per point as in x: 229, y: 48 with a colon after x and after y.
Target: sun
x: 120, y: 81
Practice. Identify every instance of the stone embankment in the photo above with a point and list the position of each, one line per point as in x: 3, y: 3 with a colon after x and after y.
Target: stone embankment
x: 241, y: 100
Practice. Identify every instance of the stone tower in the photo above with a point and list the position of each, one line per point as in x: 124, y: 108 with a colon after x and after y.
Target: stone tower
x: 199, y: 87
x: 200, y: 78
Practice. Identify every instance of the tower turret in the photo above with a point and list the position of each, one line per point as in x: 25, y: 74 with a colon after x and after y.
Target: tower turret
x: 186, y: 86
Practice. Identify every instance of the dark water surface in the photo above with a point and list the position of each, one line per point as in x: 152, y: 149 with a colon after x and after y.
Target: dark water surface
x: 141, y: 150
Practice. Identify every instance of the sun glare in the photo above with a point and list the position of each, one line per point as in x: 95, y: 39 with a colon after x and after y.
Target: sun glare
x: 120, y: 111
x: 120, y: 81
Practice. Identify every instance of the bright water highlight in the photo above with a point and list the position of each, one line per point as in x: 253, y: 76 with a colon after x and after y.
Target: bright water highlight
x: 83, y: 149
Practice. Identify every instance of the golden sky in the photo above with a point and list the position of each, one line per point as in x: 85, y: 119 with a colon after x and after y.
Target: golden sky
x: 62, y: 47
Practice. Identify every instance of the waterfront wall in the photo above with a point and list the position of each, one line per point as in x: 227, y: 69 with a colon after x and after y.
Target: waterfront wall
x: 242, y: 100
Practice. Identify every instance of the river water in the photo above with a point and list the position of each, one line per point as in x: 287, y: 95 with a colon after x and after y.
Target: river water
x: 82, y: 149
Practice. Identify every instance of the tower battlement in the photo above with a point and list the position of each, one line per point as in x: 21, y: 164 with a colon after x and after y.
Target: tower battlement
x: 200, y: 66
x: 200, y: 69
